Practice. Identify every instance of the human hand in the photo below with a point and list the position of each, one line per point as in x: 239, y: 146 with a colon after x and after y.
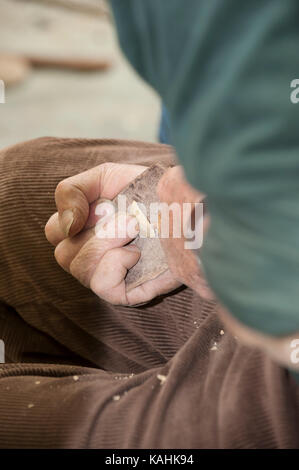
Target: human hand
x: 100, y: 263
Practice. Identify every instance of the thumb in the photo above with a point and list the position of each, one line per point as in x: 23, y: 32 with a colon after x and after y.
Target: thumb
x: 72, y: 205
x: 74, y: 195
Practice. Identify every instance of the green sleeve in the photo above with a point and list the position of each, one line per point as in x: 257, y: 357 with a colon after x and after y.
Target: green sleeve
x: 223, y: 69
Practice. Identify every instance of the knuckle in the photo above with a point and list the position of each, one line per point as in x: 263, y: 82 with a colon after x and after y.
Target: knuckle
x: 104, y: 167
x: 82, y: 267
x: 48, y: 231
x: 62, y: 189
x: 74, y: 268
x: 51, y: 228
x: 78, y: 271
x: 107, y: 266
x: 60, y: 255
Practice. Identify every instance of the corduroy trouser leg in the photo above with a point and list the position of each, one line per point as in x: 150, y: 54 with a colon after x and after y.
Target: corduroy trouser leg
x: 81, y: 373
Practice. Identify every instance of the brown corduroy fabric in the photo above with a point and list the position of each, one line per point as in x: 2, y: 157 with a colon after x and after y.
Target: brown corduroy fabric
x: 81, y: 373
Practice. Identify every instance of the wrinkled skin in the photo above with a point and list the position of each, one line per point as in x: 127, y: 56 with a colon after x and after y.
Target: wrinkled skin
x: 100, y: 264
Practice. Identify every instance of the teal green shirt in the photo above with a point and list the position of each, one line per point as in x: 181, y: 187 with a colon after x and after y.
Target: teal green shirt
x: 223, y: 68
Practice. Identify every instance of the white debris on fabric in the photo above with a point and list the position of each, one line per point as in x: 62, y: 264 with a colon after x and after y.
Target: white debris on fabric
x: 75, y: 378
x: 116, y: 397
x: 37, y: 382
x: 123, y: 377
x: 31, y: 405
x: 162, y: 378
x: 221, y: 332
x: 214, y: 347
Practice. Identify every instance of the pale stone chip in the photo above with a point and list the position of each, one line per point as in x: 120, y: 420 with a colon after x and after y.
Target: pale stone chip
x: 146, y: 230
x: 162, y: 378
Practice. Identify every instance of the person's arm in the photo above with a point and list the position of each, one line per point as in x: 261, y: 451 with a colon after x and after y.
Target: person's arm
x: 223, y: 69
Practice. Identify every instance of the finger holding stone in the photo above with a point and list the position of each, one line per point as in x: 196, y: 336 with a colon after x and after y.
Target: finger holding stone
x: 85, y: 262
x: 108, y: 280
x: 68, y: 248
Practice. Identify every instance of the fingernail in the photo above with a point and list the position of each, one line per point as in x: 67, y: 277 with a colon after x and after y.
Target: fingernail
x: 67, y: 218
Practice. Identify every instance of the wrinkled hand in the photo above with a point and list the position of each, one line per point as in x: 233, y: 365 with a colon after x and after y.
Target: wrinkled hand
x: 100, y: 264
